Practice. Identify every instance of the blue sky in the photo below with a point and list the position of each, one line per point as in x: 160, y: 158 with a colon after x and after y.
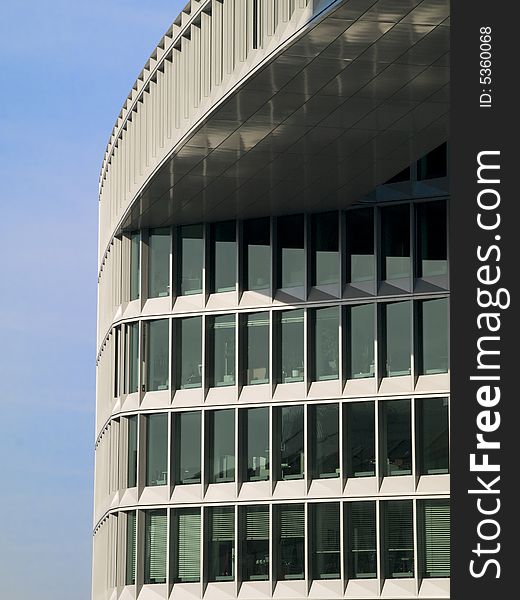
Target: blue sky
x: 66, y: 67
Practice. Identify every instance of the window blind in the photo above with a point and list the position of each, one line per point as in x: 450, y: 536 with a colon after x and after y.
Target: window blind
x: 188, y: 545
x: 130, y: 549
x: 257, y: 523
x: 436, y: 551
x: 155, y: 571
x: 223, y: 525
x: 292, y: 521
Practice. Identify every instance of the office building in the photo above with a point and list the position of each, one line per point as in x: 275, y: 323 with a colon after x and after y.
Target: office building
x: 273, y: 353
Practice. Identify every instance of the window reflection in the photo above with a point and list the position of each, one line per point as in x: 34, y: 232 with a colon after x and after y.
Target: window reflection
x: 324, y: 440
x: 325, y: 241
x: 290, y: 427
x: 361, y: 264
x: 397, y: 331
x: 433, y: 325
x: 156, y: 449
x: 361, y: 333
x: 395, y: 225
x: 135, y: 265
x: 187, y: 444
x: 326, y: 350
x: 397, y: 428
x: 291, y: 253
x: 254, y: 431
x: 157, y: 355
x: 360, y: 439
x: 291, y: 346
x: 224, y: 272
x: 159, y: 262
x: 257, y: 257
x: 222, y: 330
x: 222, y: 445
x: 257, y: 355
x: 432, y: 235
x: 191, y: 259
x: 221, y: 546
x: 433, y: 436
x: 189, y: 359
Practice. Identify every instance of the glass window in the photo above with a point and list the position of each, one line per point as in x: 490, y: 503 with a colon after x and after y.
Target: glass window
x: 395, y: 231
x: 254, y: 430
x: 360, y: 457
x: 397, y: 329
x: 222, y: 329
x: 290, y: 426
x: 291, y: 542
x: 157, y: 355
x: 132, y: 332
x: 325, y: 243
x: 324, y: 442
x: 361, y: 327
x: 221, y: 546
x: 159, y: 262
x: 130, y: 548
x: 291, y: 346
x: 116, y: 340
x: 135, y: 267
x: 361, y: 263
x: 398, y: 539
x: 435, y: 538
x: 191, y: 259
x: 255, y: 543
x: 434, y: 164
x: 433, y: 439
x: 257, y: 357
x: 403, y: 175
x: 189, y: 357
x: 222, y: 445
x: 132, y: 452
x: 325, y: 540
x: 187, y: 438
x: 224, y: 273
x: 362, y: 550
x: 326, y: 339
x: 398, y: 434
x: 291, y: 253
x: 432, y: 233
x: 155, y: 536
x: 433, y: 323
x: 257, y: 253
x: 185, y: 545
x: 156, y: 449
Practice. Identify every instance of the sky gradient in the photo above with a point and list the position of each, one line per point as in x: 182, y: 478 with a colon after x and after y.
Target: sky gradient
x: 67, y: 67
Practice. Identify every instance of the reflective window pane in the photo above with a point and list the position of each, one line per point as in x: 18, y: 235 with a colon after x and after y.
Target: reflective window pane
x: 435, y: 518
x: 291, y: 346
x: 186, y: 457
x: 191, y: 259
x: 433, y: 325
x: 291, y: 254
x: 290, y: 426
x: 398, y: 538
x: 257, y: 357
x: 157, y: 355
x: 362, y: 550
x: 159, y: 262
x: 325, y: 244
x: 324, y: 442
x: 434, y: 164
x: 254, y: 430
x: 257, y: 252
x: 130, y: 548
x: 156, y: 449
x: 398, y: 433
x: 133, y: 356
x: 222, y: 330
x: 189, y: 356
x: 221, y: 543
x: 360, y: 439
x: 395, y: 231
x: 326, y: 339
x: 221, y: 445
x: 185, y: 545
x: 155, y: 537
x: 433, y: 438
x: 135, y: 265
x: 432, y: 236
x: 291, y: 542
x: 224, y: 272
x: 361, y: 331
x: 255, y: 543
x: 325, y: 550
x: 361, y: 263
x: 132, y: 452
x: 397, y: 330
